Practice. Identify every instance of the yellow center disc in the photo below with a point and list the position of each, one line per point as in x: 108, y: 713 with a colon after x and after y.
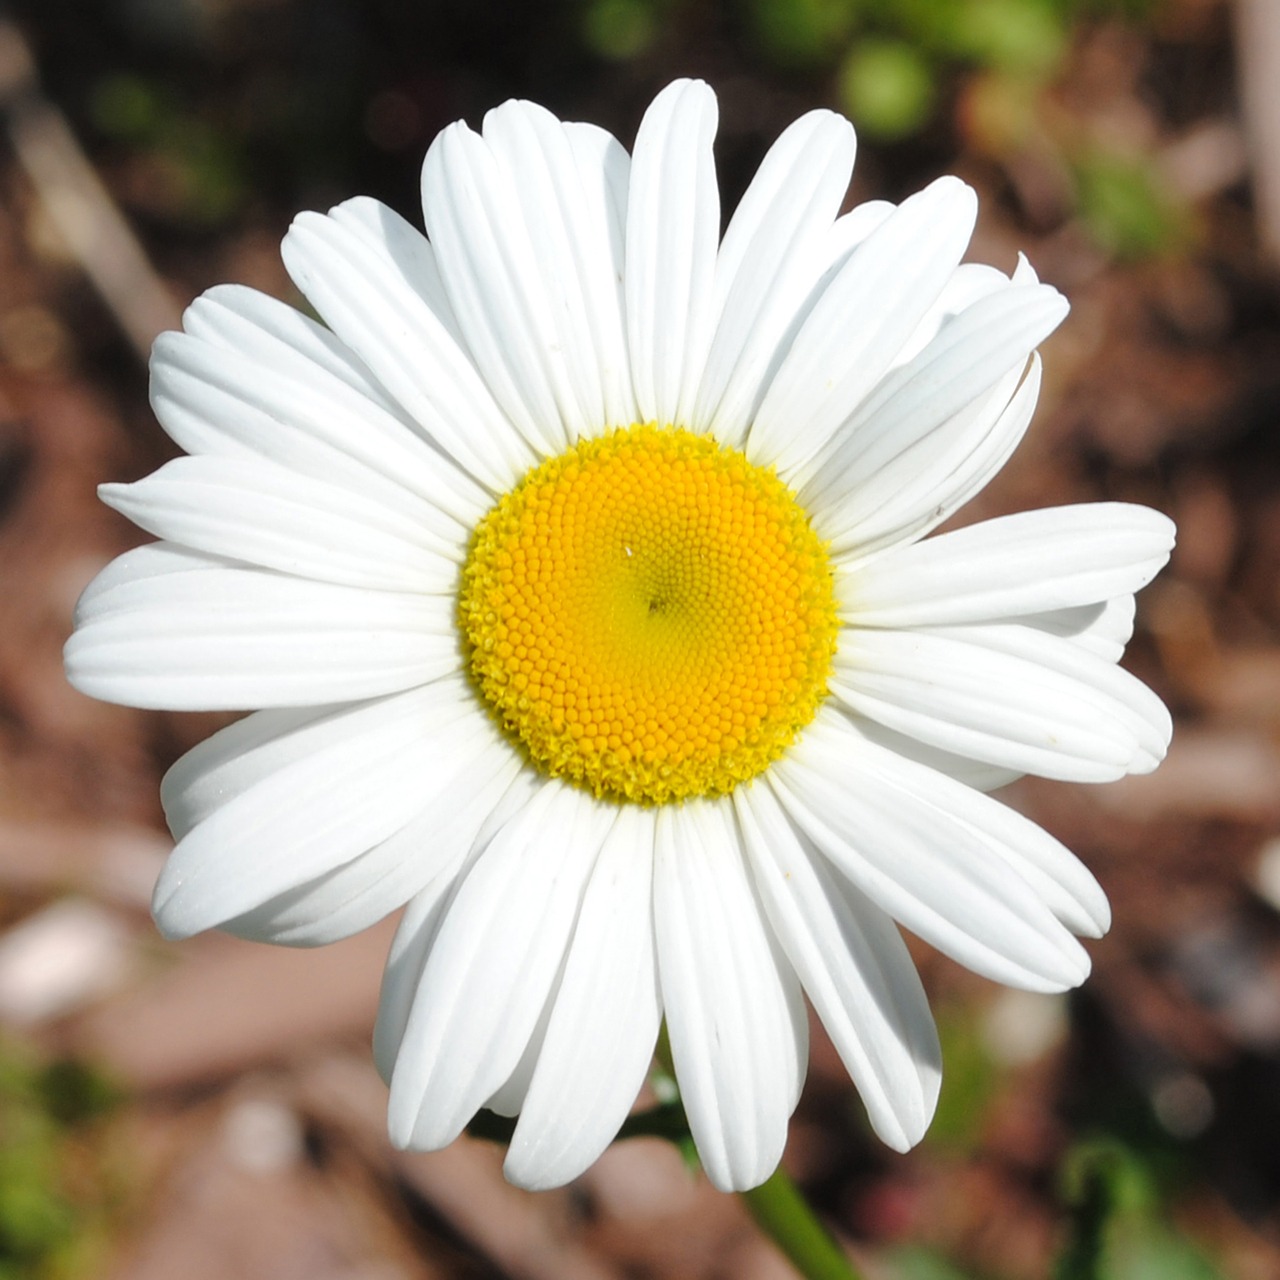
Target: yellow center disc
x: 650, y: 615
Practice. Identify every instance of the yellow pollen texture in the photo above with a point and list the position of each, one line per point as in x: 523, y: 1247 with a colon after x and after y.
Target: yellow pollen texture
x: 650, y: 615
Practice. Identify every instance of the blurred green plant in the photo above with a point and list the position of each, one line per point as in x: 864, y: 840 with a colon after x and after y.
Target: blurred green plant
x: 895, y: 65
x: 888, y: 85
x: 198, y: 169
x: 1118, y: 1229
x: 914, y: 1262
x: 620, y: 29
x: 1124, y: 206
x: 52, y: 1210
x: 971, y: 1081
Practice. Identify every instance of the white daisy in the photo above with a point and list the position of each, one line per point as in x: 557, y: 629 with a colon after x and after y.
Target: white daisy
x: 575, y: 571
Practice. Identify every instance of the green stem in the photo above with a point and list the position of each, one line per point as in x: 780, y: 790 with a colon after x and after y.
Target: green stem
x: 783, y: 1214
x: 779, y: 1209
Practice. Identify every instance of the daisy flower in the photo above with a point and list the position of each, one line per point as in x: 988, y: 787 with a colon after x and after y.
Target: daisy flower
x: 575, y: 572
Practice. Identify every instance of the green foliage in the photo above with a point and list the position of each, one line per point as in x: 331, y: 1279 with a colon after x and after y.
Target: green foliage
x: 887, y: 86
x: 1124, y: 207
x: 620, y: 29
x: 46, y: 1224
x: 969, y: 1083
x: 1118, y: 1231
x: 198, y: 165
x: 912, y: 1262
x: 799, y: 33
x: 1022, y: 38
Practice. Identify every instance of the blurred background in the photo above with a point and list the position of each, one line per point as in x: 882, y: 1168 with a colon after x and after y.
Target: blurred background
x: 209, y: 1110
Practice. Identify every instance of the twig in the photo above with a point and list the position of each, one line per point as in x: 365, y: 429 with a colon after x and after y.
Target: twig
x: 77, y: 202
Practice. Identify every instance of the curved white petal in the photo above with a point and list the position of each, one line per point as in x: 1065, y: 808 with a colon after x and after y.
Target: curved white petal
x: 859, y: 324
x: 455, y: 798
x: 739, y: 1036
x: 151, y: 560
x: 213, y: 638
x: 903, y: 835
x: 604, y: 1021
x: 235, y: 758
x: 239, y: 320
x: 1058, y: 878
x: 415, y: 258
x: 973, y: 773
x: 421, y: 922
x: 971, y: 356
x: 363, y: 294
x: 969, y: 282
x: 1103, y: 629
x: 855, y: 968
x: 766, y: 265
x: 523, y: 238
x: 1032, y: 562
x: 928, y: 481
x: 673, y: 226
x: 354, y: 776
x: 491, y: 965
x: 604, y: 169
x: 1012, y: 696
x: 251, y: 378
x: 508, y: 1098
x: 258, y: 512
x: 1120, y: 693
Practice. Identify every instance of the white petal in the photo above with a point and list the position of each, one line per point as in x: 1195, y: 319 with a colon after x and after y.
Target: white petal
x: 387, y: 233
x: 1102, y: 629
x: 1057, y: 877
x: 604, y: 1022
x: 855, y: 968
x: 766, y: 266
x: 969, y: 358
x: 255, y: 511
x: 508, y: 1098
x: 860, y: 323
x: 973, y: 773
x: 410, y: 949
x: 421, y: 922
x: 1123, y: 695
x: 363, y: 294
x: 968, y: 282
x: 786, y: 310
x: 1035, y: 703
x: 353, y: 775
x: 151, y: 560
x: 240, y: 755
x: 214, y: 638
x: 491, y: 966
x: 527, y: 256
x: 455, y: 799
x: 1032, y: 562
x: 673, y: 225
x: 229, y: 388
x: 604, y: 168
x: 924, y: 484
x: 240, y: 320
x: 903, y: 835
x: 739, y: 1038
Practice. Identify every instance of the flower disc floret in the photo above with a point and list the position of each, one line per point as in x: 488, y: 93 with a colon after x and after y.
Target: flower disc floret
x: 650, y: 615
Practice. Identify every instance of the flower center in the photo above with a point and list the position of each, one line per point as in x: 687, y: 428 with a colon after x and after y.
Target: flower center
x: 650, y: 615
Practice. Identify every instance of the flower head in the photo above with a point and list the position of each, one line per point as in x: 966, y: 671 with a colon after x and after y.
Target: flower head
x: 577, y: 575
